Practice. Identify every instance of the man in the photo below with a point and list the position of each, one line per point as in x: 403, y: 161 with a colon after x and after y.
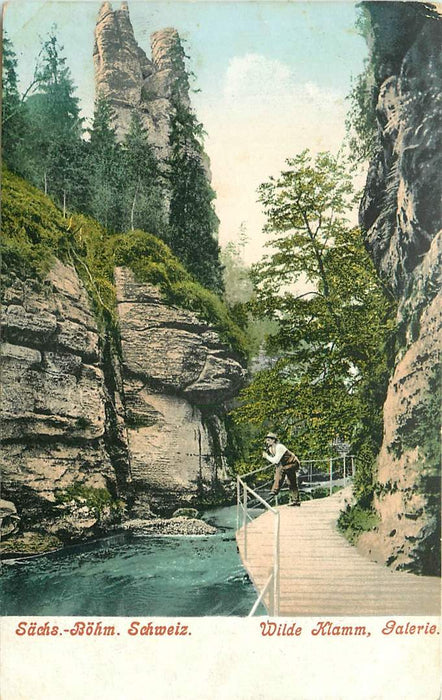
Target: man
x: 286, y: 466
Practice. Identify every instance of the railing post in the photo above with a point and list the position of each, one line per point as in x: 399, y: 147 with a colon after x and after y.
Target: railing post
x: 276, y: 583
x: 238, y: 501
x: 331, y: 476
x: 245, y: 522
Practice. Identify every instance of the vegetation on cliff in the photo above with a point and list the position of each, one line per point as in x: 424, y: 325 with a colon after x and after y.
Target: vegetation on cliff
x: 35, y: 230
x: 192, y: 219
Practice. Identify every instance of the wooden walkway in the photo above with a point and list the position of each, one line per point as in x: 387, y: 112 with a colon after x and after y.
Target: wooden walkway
x: 321, y: 573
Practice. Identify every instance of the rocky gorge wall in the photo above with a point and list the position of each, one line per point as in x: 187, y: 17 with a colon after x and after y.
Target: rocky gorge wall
x: 402, y: 216
x: 53, y: 420
x: 176, y: 377
x: 89, y: 438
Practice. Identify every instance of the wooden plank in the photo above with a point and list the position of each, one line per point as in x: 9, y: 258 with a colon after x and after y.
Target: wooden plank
x: 321, y: 573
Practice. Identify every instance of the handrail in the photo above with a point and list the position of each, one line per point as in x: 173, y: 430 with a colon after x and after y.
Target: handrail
x: 257, y: 496
x: 256, y: 471
x: 243, y: 490
x: 261, y: 596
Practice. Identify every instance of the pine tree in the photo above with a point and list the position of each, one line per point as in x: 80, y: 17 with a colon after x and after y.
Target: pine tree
x: 14, y: 122
x: 143, y: 205
x: 106, y: 168
x: 192, y: 217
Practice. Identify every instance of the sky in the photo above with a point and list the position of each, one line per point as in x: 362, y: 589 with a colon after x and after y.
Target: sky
x: 273, y: 77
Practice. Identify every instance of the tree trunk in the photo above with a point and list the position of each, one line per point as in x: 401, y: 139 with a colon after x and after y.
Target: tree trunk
x: 64, y: 204
x: 132, y: 211
x: 46, y: 183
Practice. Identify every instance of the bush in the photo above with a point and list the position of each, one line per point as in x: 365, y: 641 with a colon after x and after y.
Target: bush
x: 33, y: 228
x: 355, y: 520
x: 95, y: 498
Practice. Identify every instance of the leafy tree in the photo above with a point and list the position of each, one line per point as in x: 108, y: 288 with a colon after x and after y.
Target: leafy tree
x: 14, y: 123
x: 192, y: 218
x: 143, y: 194
x: 333, y: 317
x: 106, y: 169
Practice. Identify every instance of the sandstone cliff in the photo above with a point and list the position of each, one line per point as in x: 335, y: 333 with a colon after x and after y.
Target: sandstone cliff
x: 401, y: 214
x: 129, y: 80
x: 54, y: 403
x: 176, y: 376
x: 89, y: 438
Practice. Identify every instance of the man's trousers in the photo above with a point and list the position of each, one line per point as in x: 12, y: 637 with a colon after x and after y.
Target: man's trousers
x: 280, y: 474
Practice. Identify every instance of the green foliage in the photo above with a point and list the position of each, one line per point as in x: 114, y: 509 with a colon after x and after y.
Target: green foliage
x: 423, y: 430
x: 90, y: 252
x: 333, y: 318
x: 152, y: 261
x: 238, y: 287
x: 143, y: 196
x: 53, y: 149
x: 14, y: 116
x: 106, y: 172
x: 361, y: 123
x: 119, y: 184
x: 355, y: 520
x: 238, y: 293
x: 423, y: 434
x: 96, y: 498
x: 32, y: 227
x: 323, y: 491
x: 34, y: 231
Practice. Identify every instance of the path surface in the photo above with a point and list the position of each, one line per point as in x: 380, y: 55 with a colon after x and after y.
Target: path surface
x: 321, y: 573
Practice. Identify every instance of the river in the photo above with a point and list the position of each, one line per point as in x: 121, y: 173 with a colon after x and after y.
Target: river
x: 144, y: 576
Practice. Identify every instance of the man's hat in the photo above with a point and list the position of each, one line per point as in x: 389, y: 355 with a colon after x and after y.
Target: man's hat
x: 272, y: 435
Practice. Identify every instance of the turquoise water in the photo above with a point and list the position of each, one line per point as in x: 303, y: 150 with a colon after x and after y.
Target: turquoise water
x: 162, y: 576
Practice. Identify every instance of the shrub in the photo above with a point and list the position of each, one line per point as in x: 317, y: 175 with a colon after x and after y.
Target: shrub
x: 355, y: 520
x: 96, y: 498
x: 152, y: 261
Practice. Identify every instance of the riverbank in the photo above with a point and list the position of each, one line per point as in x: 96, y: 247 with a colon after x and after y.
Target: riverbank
x: 18, y: 548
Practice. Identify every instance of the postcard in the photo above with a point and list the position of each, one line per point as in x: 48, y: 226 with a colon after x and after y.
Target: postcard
x: 221, y: 262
